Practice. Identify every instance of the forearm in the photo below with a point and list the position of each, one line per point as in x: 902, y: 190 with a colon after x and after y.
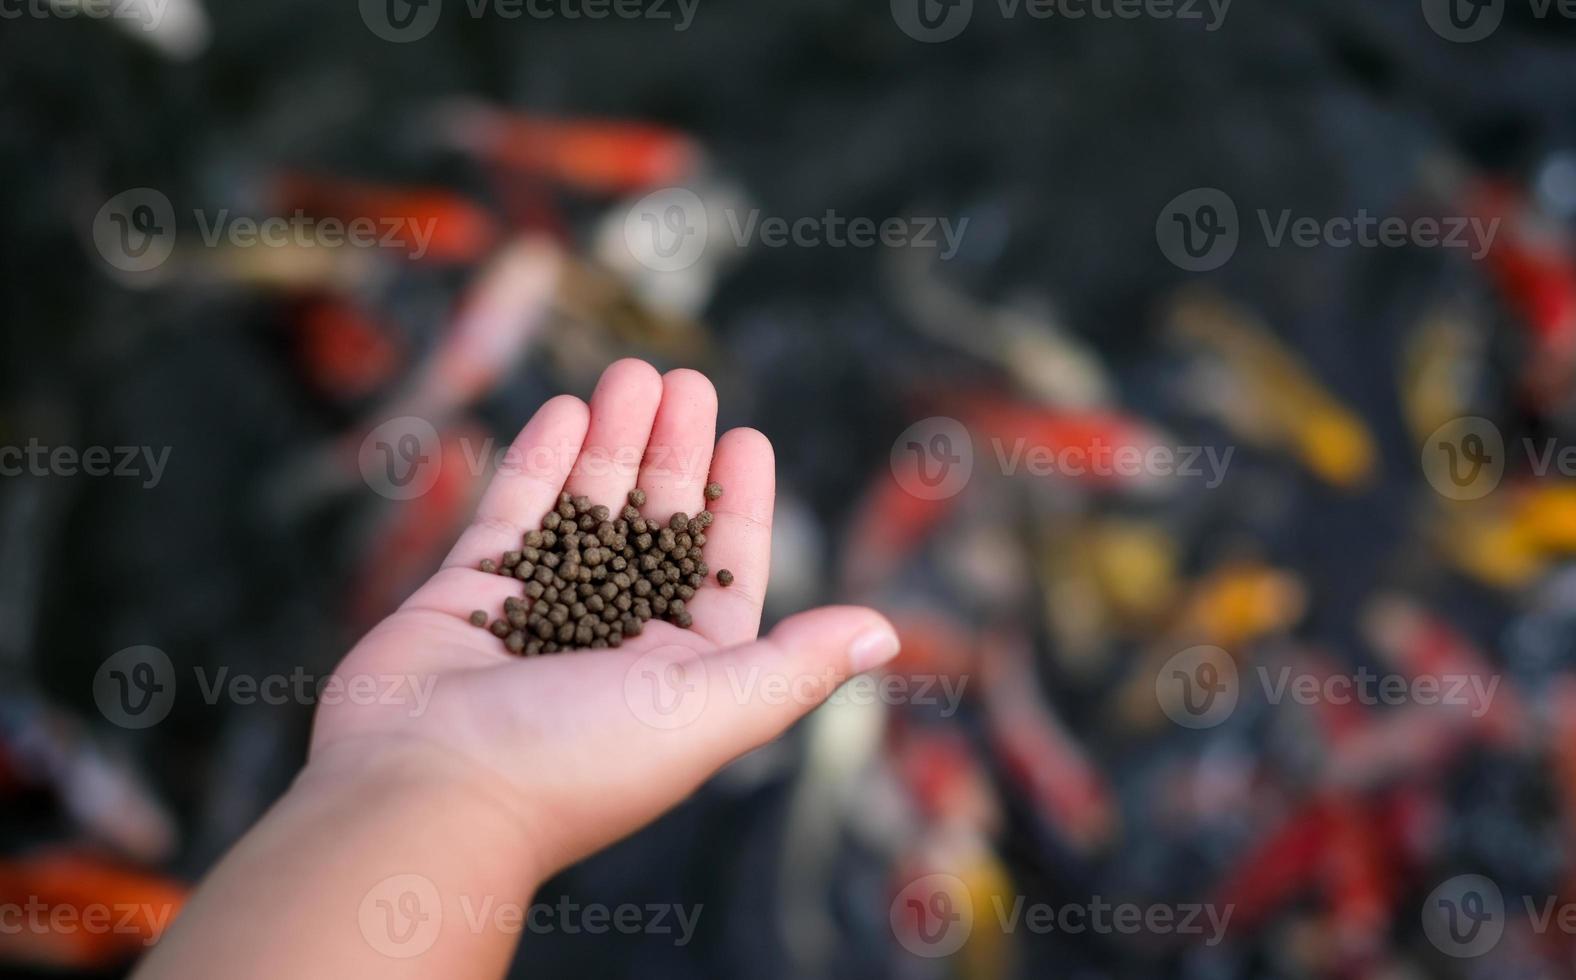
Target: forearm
x: 361, y: 870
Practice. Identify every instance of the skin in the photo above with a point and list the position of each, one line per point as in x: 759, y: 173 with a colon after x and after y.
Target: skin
x: 405, y: 823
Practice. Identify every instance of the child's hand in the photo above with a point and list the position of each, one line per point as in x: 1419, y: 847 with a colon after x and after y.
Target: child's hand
x: 581, y: 748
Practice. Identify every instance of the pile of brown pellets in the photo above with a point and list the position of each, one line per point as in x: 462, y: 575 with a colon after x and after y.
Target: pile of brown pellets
x: 593, y: 579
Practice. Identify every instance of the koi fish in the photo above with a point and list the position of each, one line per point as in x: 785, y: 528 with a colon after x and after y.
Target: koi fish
x: 1533, y: 262
x: 1040, y: 754
x: 1028, y: 344
x: 1267, y: 395
x: 426, y: 223
x: 417, y: 533
x: 139, y: 905
x: 502, y: 315
x: 592, y: 155
x: 342, y: 350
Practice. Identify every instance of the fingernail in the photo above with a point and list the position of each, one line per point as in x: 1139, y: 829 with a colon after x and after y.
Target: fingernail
x: 871, y: 649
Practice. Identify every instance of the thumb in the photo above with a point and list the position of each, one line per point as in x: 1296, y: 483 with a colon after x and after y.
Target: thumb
x: 756, y: 690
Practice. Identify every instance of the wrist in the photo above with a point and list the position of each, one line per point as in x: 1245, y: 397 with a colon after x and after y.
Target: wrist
x: 442, y: 798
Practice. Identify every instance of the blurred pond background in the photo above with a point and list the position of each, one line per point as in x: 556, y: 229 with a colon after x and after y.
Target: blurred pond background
x: 1191, y: 383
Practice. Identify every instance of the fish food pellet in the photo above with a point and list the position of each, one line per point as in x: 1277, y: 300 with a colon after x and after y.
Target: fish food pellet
x: 592, y: 576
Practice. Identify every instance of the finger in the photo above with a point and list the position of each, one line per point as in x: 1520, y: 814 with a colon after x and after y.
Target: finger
x: 755, y: 691
x: 739, y: 539
x: 460, y: 590
x: 678, y: 456
x: 530, y: 476
x: 623, y: 408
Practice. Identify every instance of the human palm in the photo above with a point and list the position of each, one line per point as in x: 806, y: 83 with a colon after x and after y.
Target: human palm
x: 588, y: 745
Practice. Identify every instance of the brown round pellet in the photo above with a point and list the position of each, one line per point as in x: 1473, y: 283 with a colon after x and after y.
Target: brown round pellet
x: 724, y: 577
x: 591, y: 576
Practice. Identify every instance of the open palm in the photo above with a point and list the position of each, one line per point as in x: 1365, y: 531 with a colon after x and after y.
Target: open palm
x: 589, y: 745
